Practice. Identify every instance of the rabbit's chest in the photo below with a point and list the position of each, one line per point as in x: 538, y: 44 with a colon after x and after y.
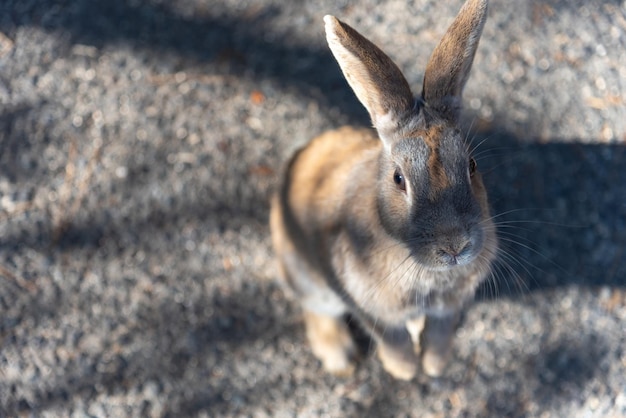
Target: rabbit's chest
x: 395, y: 288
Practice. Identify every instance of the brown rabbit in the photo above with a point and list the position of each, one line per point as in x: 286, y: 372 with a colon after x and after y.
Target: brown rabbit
x: 392, y: 228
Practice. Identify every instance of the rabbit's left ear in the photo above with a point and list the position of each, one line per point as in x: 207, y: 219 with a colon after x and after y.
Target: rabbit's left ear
x: 375, y: 79
x: 450, y: 64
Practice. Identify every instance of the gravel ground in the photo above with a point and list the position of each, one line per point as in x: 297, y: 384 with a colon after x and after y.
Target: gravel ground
x: 139, y: 141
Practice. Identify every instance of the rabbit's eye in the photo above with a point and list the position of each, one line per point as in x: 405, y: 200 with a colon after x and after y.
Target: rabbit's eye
x: 472, y: 167
x: 398, y: 178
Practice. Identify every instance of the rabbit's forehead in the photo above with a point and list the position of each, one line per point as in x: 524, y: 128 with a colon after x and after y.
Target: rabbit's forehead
x: 438, y: 152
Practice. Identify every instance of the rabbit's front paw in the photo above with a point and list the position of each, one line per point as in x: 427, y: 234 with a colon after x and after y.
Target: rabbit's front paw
x: 434, y: 362
x: 401, y: 364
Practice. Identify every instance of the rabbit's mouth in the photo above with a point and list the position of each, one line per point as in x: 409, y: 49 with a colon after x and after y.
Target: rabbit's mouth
x: 453, y: 252
x: 451, y: 257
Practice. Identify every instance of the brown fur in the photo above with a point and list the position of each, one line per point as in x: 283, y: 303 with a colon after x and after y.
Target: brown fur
x: 438, y: 178
x: 450, y: 63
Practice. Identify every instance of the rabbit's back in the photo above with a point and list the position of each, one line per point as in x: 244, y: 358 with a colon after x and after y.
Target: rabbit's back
x: 331, y: 167
x: 307, y: 210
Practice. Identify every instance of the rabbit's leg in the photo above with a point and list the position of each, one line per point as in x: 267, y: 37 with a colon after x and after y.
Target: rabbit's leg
x: 437, y: 343
x: 395, y: 351
x: 331, y: 342
x: 328, y: 335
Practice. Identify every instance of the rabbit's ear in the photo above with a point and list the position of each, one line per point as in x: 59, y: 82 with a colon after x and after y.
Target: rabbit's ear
x: 449, y: 65
x: 375, y: 79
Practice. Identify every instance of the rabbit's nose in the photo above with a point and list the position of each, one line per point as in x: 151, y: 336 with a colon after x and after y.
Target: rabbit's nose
x: 458, y: 254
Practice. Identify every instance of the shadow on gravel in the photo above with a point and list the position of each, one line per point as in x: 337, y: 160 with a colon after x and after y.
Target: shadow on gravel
x: 563, y: 370
x: 234, y: 47
x: 166, y: 351
x: 560, y: 210
x: 20, y: 149
x: 557, y: 375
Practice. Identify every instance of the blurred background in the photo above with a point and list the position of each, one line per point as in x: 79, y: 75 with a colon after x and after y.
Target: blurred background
x: 140, y: 141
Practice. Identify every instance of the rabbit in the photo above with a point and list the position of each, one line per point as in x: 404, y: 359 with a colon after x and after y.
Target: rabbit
x: 389, y: 225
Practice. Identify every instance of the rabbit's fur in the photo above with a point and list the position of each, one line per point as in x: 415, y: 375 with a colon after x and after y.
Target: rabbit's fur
x: 393, y: 225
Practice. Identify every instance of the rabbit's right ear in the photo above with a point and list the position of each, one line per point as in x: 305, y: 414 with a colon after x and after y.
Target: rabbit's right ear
x: 375, y: 79
x: 451, y: 61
